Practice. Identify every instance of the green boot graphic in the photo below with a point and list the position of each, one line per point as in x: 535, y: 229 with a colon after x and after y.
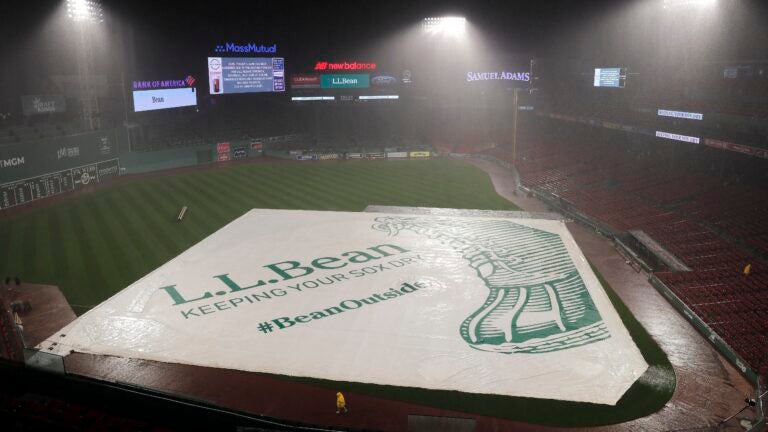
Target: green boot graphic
x: 537, y: 301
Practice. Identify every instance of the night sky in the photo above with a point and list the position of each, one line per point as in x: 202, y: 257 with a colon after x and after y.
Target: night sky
x: 147, y: 39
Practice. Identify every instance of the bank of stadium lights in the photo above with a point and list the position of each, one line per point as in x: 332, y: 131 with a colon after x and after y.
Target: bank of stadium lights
x: 85, y: 10
x: 670, y: 4
x: 445, y: 25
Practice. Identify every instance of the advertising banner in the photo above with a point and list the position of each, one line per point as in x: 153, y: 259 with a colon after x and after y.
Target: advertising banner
x: 43, y: 104
x: 239, y: 153
x: 345, y: 81
x: 417, y: 154
x: 394, y: 155
x: 375, y: 155
x: 222, y: 147
x: 148, y: 100
x: 223, y: 157
x: 330, y: 156
x: 49, y: 155
x: 739, y: 148
x: 354, y: 155
x: 303, y: 81
x: 491, y: 305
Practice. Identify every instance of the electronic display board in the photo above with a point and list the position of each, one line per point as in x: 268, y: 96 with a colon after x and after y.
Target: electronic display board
x: 164, y: 94
x: 148, y: 100
x: 227, y: 75
x: 610, y: 77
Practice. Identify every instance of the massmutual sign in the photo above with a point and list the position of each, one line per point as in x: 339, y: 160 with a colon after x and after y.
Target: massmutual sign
x: 474, y: 304
x: 245, y: 48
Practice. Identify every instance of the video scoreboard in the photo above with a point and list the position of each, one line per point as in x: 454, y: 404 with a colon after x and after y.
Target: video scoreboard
x: 610, y: 77
x: 227, y: 75
x: 346, y: 81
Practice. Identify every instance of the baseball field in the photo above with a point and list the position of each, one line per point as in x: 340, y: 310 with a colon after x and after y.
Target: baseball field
x: 95, y: 244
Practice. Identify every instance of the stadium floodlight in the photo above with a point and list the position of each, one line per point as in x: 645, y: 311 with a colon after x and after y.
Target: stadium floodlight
x: 668, y: 4
x: 445, y: 25
x: 85, y: 10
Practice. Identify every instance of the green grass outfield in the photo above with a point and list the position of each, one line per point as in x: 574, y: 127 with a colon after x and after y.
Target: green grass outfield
x: 96, y: 244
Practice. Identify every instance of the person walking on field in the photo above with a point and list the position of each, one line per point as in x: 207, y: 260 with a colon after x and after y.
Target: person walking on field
x: 341, y: 404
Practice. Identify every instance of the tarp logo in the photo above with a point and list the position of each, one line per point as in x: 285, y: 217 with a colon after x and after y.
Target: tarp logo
x: 537, y: 301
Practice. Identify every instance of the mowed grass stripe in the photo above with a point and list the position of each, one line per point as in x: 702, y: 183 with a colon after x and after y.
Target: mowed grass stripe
x: 140, y: 216
x: 155, y: 223
x: 232, y: 188
x: 28, y: 248
x: 48, y: 237
x: 302, y: 182
x: 125, y: 254
x: 145, y: 256
x: 202, y: 214
x: 198, y: 221
x: 275, y: 184
x: 75, y: 270
x: 260, y: 187
x: 94, y: 264
x: 209, y: 202
x: 338, y: 188
x: 15, y: 246
x: 271, y: 188
x: 223, y: 190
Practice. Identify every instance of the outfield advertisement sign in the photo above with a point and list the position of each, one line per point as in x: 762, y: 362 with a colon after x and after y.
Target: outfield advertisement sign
x: 395, y: 155
x: 739, y: 148
x: 418, y: 154
x: 50, y: 155
x: 345, y: 81
x: 43, y: 104
x: 474, y: 304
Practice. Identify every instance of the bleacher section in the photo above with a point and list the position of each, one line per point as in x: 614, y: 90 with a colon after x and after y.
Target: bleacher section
x: 715, y: 227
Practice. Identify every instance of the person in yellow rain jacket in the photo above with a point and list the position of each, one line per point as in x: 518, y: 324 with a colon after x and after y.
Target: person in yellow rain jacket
x: 341, y: 404
x: 747, y: 269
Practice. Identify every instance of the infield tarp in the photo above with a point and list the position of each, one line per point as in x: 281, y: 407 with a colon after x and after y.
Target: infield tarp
x: 474, y: 304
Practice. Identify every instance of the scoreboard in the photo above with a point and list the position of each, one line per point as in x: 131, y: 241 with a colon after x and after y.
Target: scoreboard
x: 610, y: 77
x: 228, y: 75
x: 51, y: 184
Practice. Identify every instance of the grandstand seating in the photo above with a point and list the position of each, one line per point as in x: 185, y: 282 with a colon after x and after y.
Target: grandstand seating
x: 715, y: 228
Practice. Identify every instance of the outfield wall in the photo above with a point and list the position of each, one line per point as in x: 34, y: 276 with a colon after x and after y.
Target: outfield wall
x: 33, y: 158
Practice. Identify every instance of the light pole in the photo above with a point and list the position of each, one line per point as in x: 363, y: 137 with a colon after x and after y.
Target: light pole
x: 86, y: 13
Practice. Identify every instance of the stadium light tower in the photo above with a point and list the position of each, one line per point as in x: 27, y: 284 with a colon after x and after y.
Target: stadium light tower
x: 454, y: 26
x: 670, y: 4
x: 85, y: 10
x: 86, y: 13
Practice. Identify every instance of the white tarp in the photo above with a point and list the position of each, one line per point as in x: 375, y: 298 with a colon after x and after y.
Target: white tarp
x: 473, y: 304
